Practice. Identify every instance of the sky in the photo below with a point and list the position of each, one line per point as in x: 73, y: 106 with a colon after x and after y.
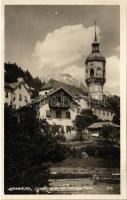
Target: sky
x: 48, y: 39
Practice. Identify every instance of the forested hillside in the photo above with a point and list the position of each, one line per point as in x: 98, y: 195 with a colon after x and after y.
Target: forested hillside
x: 12, y: 71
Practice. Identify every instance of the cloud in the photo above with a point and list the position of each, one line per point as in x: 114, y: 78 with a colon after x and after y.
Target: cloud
x: 64, y: 46
x: 63, y: 49
x: 112, y: 84
x: 117, y: 49
x: 113, y: 75
x: 76, y: 71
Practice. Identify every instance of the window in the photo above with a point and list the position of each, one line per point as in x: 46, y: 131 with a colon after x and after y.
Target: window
x: 68, y: 129
x: 68, y: 115
x: 14, y: 97
x: 91, y: 72
x: 14, y: 106
x: 98, y: 68
x: 6, y: 94
x: 25, y: 100
x: 58, y: 113
x: 20, y: 97
x: 48, y: 113
x: 20, y: 87
x: 103, y: 112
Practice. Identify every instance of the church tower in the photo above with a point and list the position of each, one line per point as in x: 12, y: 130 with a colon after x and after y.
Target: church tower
x: 95, y: 71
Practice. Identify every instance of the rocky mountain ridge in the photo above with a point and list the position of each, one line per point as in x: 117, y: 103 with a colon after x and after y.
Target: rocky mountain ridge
x: 66, y: 79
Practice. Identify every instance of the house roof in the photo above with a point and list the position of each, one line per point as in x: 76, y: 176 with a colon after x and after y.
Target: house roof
x: 98, y: 125
x: 37, y: 100
x: 31, y: 88
x: 7, y: 85
x: 61, y: 88
x: 65, y: 92
x: 13, y: 86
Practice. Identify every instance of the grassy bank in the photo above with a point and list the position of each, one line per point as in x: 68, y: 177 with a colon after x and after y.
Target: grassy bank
x: 91, y: 162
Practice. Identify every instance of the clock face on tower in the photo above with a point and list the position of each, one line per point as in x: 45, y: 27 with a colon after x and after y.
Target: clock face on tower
x: 59, y: 100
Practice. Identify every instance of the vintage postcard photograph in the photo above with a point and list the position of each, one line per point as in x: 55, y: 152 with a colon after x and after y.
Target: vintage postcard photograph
x: 62, y: 101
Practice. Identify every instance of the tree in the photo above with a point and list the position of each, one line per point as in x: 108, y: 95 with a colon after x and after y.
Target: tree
x: 28, y: 152
x: 83, y: 120
x: 114, y: 105
x: 21, y: 145
x: 13, y: 72
x: 110, y: 133
x: 37, y: 83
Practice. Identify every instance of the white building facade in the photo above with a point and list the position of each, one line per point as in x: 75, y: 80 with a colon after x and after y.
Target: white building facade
x: 59, y: 108
x: 17, y: 94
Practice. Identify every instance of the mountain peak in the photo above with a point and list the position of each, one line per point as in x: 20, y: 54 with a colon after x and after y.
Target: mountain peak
x: 65, y: 78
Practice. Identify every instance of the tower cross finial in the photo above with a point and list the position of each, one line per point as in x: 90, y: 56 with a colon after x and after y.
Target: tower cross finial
x: 95, y: 37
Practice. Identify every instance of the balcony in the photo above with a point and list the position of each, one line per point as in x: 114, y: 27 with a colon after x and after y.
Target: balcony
x: 59, y: 104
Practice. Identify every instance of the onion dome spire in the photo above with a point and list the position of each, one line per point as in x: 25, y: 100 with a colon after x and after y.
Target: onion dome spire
x: 95, y: 37
x: 95, y: 44
x: 95, y: 54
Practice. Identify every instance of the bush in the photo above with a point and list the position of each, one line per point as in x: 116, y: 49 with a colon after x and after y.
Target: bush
x: 103, y: 151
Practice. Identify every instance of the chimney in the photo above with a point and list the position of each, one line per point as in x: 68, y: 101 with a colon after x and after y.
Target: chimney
x: 20, y: 79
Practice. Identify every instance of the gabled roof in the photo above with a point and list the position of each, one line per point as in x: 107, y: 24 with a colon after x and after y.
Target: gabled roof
x: 98, y: 125
x: 50, y: 94
x: 44, y: 97
x: 13, y: 86
x: 61, y: 88
x: 7, y: 85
